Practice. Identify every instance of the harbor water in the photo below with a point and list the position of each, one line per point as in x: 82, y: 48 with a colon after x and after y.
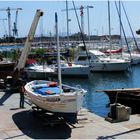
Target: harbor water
x: 98, y: 102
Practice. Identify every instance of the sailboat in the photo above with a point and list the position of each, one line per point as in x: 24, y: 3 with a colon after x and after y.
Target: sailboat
x: 56, y: 97
x: 100, y: 61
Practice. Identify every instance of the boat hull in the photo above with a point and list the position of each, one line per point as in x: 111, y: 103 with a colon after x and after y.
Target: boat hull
x: 39, y: 75
x: 127, y: 98
x: 109, y: 66
x: 65, y: 104
x: 66, y: 71
x: 7, y: 67
x: 75, y: 71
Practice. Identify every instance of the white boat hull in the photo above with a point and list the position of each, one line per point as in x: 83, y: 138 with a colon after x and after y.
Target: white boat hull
x: 100, y: 62
x: 60, y: 103
x: 135, y: 58
x: 40, y: 72
x: 75, y: 70
x: 110, y: 66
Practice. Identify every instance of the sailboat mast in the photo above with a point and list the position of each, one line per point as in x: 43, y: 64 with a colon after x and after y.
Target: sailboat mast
x: 67, y: 17
x: 109, y: 25
x: 58, y: 54
x: 120, y: 24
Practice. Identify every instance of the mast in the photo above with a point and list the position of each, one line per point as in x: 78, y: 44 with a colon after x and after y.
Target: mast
x: 58, y: 54
x: 109, y: 27
x: 67, y: 17
x: 120, y: 24
x: 88, y: 23
x: 82, y: 18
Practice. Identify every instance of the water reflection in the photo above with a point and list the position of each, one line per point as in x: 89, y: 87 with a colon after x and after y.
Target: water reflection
x: 98, y: 102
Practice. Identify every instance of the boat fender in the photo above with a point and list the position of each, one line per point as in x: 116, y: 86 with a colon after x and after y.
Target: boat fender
x: 53, y: 84
x: 69, y: 64
x: 49, y: 92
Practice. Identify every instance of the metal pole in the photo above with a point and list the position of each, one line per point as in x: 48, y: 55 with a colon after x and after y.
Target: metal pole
x: 9, y: 20
x: 109, y: 26
x: 58, y: 54
x: 82, y: 18
x: 67, y: 17
x: 120, y: 24
x: 88, y: 23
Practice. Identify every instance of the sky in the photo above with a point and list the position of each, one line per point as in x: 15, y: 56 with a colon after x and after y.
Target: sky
x: 98, y: 17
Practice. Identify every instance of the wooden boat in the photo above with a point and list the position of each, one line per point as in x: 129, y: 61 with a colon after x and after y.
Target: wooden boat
x: 59, y: 99
x: 47, y: 96
x: 129, y: 97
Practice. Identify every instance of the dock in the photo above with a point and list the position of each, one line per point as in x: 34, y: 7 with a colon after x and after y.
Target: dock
x: 21, y: 123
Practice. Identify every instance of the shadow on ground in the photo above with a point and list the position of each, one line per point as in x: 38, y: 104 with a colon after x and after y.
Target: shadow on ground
x: 4, y: 97
x: 36, y: 128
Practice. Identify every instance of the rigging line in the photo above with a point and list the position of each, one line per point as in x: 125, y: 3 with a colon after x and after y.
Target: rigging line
x: 81, y: 33
x: 130, y: 26
x: 123, y: 29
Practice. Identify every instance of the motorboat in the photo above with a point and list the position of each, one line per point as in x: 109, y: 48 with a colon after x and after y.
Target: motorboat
x: 36, y: 71
x: 75, y: 70
x: 101, y: 62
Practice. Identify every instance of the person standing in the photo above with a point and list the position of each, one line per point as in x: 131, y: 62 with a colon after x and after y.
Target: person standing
x: 23, y: 81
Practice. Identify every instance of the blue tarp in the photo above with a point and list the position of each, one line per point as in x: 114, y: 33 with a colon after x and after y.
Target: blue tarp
x: 46, y: 90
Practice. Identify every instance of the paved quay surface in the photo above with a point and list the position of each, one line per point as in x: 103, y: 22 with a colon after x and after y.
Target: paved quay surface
x: 16, y: 123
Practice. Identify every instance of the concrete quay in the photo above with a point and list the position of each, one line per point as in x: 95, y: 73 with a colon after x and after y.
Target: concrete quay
x: 20, y: 123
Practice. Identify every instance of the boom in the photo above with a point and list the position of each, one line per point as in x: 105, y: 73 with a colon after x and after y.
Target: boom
x: 24, y: 54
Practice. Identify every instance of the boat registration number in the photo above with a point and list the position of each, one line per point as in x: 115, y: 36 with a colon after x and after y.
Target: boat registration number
x: 53, y: 99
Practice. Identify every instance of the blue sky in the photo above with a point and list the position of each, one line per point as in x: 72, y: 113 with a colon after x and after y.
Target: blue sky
x: 98, y: 16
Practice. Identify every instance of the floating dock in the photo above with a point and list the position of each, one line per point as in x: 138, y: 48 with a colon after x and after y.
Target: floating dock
x: 17, y: 123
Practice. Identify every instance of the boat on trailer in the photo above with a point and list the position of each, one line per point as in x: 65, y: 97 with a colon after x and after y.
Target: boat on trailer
x: 48, y: 96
